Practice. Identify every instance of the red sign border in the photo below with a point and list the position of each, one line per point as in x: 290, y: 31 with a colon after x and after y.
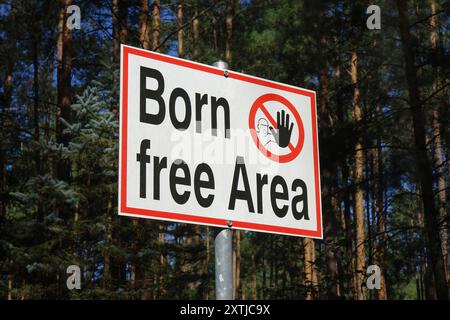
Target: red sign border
x: 189, y: 218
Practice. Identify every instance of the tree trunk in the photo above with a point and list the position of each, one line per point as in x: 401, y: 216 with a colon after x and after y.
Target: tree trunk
x: 115, y: 26
x: 6, y: 102
x: 264, y: 273
x: 329, y: 217
x: 123, y: 21
x: 107, y: 270
x: 180, y: 31
x: 144, y: 32
x: 358, y: 178
x: 36, y: 112
x: 439, y: 160
x: 254, y: 277
x: 431, y: 216
x: 368, y: 167
x: 428, y: 287
x: 446, y: 108
x: 135, y: 274
x: 214, y: 29
x: 10, y: 286
x: 160, y: 277
x: 229, y: 28
x: 117, y: 266
x: 271, y: 266
x: 156, y: 24
x: 315, y: 278
x: 348, y: 227
x: 196, y: 31
x: 156, y: 27
x: 64, y: 46
x: 336, y: 258
x: 349, y: 235
x: 308, y: 265
x: 120, y: 25
x: 379, y: 214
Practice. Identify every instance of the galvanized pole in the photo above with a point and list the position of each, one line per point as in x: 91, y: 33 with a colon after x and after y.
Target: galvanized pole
x: 224, y: 262
x: 224, y: 246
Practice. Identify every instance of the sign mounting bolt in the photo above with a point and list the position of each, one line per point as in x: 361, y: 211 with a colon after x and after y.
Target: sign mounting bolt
x: 229, y: 223
x: 225, y: 74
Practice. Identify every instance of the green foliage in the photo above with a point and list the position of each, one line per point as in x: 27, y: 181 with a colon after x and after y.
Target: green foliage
x: 48, y: 222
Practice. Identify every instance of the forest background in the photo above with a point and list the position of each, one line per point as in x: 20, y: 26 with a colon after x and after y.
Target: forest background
x: 384, y: 138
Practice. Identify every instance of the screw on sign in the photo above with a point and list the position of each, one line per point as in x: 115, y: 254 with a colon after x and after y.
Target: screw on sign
x: 279, y: 134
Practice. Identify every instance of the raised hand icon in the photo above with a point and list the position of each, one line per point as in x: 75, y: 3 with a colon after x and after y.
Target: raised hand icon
x: 283, y: 132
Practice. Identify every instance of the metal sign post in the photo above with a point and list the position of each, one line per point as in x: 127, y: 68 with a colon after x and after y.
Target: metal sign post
x: 223, y: 249
x: 223, y: 263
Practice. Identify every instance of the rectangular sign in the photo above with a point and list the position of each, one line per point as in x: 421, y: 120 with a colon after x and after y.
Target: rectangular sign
x: 203, y: 145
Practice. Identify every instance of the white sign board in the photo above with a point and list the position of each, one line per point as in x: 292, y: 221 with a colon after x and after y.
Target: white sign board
x: 206, y: 146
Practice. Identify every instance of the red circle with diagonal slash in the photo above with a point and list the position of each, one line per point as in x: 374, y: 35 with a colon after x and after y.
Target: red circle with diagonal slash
x: 259, y: 104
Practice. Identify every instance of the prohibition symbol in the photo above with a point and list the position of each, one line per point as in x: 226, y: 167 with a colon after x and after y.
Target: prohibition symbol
x: 270, y: 133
